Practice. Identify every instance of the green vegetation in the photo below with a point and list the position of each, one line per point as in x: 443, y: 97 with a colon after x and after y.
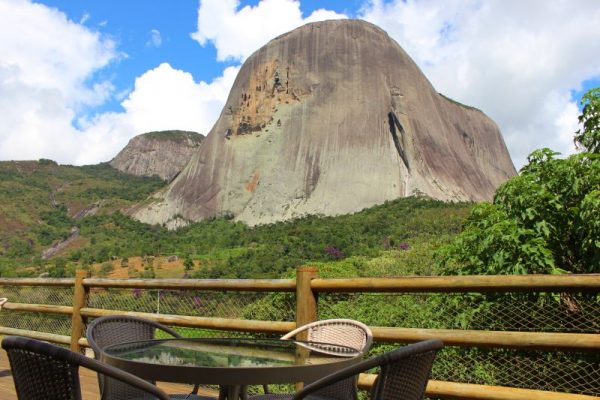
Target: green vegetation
x: 226, y: 249
x: 175, y: 136
x: 459, y: 103
x: 396, y: 238
x: 546, y: 219
x: 588, y: 138
x: 42, y: 201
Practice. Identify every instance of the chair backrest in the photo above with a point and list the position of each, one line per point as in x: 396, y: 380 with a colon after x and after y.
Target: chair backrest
x: 115, y: 329
x: 404, y: 374
x: 344, y: 332
x: 44, y: 371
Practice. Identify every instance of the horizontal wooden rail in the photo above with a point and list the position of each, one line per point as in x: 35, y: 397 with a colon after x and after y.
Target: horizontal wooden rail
x: 225, y: 324
x: 239, y: 285
x: 64, y: 282
x: 471, y: 283
x: 470, y: 338
x: 41, y: 308
x: 49, y: 337
x: 455, y: 390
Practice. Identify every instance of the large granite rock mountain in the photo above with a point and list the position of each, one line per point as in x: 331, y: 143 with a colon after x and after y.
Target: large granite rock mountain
x: 163, y: 153
x: 328, y: 119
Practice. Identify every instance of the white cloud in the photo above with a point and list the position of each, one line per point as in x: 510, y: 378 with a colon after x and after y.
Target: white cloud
x: 44, y: 94
x: 84, y: 18
x: 166, y: 98
x: 44, y: 45
x: 517, y: 61
x: 155, y: 39
x: 236, y: 34
x: 43, y: 69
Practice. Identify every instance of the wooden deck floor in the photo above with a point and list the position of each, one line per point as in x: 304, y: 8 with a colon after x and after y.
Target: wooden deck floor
x: 89, y: 383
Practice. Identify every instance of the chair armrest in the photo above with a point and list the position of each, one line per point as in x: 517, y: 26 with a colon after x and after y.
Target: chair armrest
x: 336, y: 377
x: 292, y: 334
x: 122, y: 376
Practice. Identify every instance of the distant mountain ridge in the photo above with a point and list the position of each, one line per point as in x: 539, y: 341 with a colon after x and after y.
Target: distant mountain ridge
x: 328, y: 119
x: 161, y: 153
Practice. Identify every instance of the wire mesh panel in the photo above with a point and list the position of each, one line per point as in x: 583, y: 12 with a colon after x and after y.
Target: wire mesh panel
x: 574, y: 372
x: 541, y: 370
x: 59, y: 296
x: 235, y: 305
x: 32, y: 321
x: 547, y: 312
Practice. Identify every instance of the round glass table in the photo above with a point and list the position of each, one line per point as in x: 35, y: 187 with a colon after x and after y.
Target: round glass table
x: 231, y: 363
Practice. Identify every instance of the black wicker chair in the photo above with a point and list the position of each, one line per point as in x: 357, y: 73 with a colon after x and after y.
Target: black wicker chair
x: 115, y: 329
x: 42, y: 370
x: 404, y: 375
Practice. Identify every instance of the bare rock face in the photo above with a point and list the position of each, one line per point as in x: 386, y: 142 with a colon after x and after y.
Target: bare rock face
x: 329, y: 119
x: 163, y: 153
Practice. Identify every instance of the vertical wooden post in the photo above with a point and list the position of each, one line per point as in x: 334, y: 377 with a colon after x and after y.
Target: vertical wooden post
x: 306, y: 307
x: 79, y: 299
x: 306, y: 301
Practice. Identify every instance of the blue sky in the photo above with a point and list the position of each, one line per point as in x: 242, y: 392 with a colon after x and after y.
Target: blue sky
x: 151, y: 32
x: 78, y: 79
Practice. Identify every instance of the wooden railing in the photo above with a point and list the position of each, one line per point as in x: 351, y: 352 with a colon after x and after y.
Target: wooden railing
x: 307, y: 285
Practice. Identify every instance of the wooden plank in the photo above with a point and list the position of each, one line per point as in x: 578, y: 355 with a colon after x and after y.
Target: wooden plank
x: 41, y: 308
x: 65, y: 282
x: 521, y: 340
x: 240, y: 285
x: 467, y: 391
x: 49, y: 337
x: 226, y: 324
x: 471, y: 283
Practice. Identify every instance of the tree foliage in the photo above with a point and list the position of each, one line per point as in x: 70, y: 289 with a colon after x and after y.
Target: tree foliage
x: 545, y: 220
x: 588, y: 137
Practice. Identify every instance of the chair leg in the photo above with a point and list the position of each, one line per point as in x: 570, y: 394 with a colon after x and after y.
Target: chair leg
x: 195, y: 389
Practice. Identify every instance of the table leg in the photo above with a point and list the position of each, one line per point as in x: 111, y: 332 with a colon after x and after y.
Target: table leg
x: 230, y: 392
x: 244, y: 392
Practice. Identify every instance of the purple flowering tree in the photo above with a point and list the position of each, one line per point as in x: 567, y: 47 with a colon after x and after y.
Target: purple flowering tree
x: 334, y: 253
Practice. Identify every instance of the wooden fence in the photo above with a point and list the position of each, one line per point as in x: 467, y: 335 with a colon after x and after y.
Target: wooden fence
x: 308, y: 285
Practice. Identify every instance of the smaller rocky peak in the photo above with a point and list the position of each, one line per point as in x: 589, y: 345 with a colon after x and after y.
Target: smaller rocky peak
x: 161, y: 153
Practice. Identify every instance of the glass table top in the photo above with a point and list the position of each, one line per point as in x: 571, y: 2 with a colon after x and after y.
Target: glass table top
x: 229, y: 352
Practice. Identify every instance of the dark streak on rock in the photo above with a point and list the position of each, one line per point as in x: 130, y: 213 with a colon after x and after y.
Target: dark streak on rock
x: 399, y: 143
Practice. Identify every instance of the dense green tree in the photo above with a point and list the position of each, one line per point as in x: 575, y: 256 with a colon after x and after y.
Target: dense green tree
x: 588, y: 137
x: 188, y: 263
x: 545, y: 220
x: 58, y: 270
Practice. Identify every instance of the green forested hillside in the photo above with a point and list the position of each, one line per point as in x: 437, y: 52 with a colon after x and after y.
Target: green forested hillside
x: 229, y: 249
x: 41, y: 203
